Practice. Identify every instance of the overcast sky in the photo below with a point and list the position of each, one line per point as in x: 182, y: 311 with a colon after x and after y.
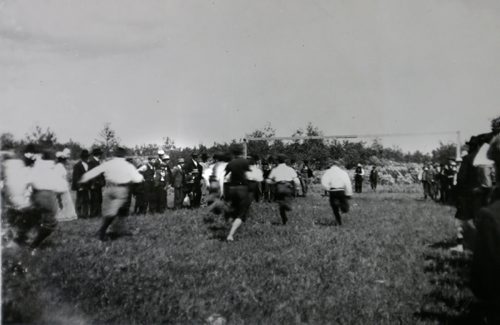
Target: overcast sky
x: 204, y: 71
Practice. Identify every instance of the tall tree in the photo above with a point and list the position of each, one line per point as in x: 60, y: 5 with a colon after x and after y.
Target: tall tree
x: 46, y: 138
x: 107, y: 139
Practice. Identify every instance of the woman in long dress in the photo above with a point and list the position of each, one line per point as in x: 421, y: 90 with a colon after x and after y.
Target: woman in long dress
x: 67, y: 212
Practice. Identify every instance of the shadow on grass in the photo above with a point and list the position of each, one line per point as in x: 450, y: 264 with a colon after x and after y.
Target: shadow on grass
x: 449, y: 301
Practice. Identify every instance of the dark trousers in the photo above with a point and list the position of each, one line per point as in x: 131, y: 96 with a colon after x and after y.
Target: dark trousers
x: 254, y: 188
x: 373, y: 185
x: 161, y: 198
x: 178, y: 197
x: 284, y: 193
x: 41, y: 215
x: 96, y: 202
x: 358, y: 183
x: 239, y: 197
x: 427, y: 189
x: 82, y: 204
x: 339, y: 202
x: 196, y: 195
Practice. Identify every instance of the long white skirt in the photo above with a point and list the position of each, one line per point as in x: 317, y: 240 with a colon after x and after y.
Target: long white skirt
x: 68, y: 212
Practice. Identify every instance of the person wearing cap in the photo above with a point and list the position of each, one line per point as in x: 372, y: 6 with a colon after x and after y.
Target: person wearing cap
x: 148, y: 171
x: 194, y: 172
x: 82, y: 190
x: 160, y: 187
x: 485, y: 275
x: 178, y: 183
x: 306, y: 175
x: 285, y: 179
x: 119, y: 174
x: 96, y: 185
x: 237, y: 194
x: 358, y: 178
x: 338, y: 184
x: 67, y: 212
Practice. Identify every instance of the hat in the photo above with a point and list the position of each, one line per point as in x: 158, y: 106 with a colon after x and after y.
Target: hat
x: 161, y: 152
x: 151, y: 158
x: 120, y: 152
x: 494, y: 150
x: 59, y: 154
x: 66, y: 152
x: 194, y: 154
x: 96, y: 152
x: 180, y: 160
x: 359, y: 165
x: 165, y: 157
x: 84, y: 154
x: 495, y: 124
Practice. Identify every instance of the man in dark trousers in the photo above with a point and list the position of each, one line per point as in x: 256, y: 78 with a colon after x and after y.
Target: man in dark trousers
x: 374, y: 178
x: 82, y: 190
x: 96, y: 185
x: 178, y: 183
x: 194, y: 173
x: 148, y: 172
x: 239, y: 195
x: 358, y: 178
x: 285, y: 178
x: 338, y: 184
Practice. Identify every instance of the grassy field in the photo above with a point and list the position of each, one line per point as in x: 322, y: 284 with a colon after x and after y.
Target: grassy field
x: 388, y: 264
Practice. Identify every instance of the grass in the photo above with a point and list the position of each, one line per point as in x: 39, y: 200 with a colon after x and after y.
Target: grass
x: 387, y: 264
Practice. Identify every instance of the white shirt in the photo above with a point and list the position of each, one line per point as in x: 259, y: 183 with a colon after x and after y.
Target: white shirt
x: 116, y: 170
x: 45, y: 176
x: 336, y: 178
x: 17, y: 183
x: 284, y: 173
x: 85, y: 166
x: 255, y: 174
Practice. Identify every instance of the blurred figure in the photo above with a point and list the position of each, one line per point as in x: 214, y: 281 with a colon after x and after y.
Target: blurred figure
x: 306, y: 174
x: 67, y: 213
x: 82, y: 190
x: 119, y: 174
x: 358, y: 178
x: 266, y: 186
x: 485, y: 275
x: 426, y: 180
x: 149, y: 196
x: 374, y: 178
x: 194, y: 172
x: 285, y: 178
x: 338, y: 184
x: 238, y: 194
x: 96, y: 185
x: 178, y: 183
x: 32, y: 189
x: 255, y: 178
x: 160, y: 184
x: 436, y: 183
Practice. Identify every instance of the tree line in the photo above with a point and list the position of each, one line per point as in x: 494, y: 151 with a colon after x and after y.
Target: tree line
x: 316, y: 151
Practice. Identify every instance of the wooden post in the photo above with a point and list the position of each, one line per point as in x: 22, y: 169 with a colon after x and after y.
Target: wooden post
x: 459, y: 145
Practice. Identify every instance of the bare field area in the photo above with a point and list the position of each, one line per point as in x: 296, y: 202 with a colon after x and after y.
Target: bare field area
x: 388, y: 264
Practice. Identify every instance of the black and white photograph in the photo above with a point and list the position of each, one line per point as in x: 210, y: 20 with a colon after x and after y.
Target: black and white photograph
x: 240, y: 162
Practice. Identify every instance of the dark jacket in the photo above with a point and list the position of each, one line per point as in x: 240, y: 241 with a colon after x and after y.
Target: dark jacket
x: 78, y: 171
x: 486, y: 261
x: 99, y: 181
x: 194, y: 173
x: 177, y: 177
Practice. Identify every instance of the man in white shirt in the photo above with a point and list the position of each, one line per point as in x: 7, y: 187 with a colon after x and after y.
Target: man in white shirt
x: 119, y: 174
x: 39, y: 181
x: 337, y: 182
x: 285, y: 178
